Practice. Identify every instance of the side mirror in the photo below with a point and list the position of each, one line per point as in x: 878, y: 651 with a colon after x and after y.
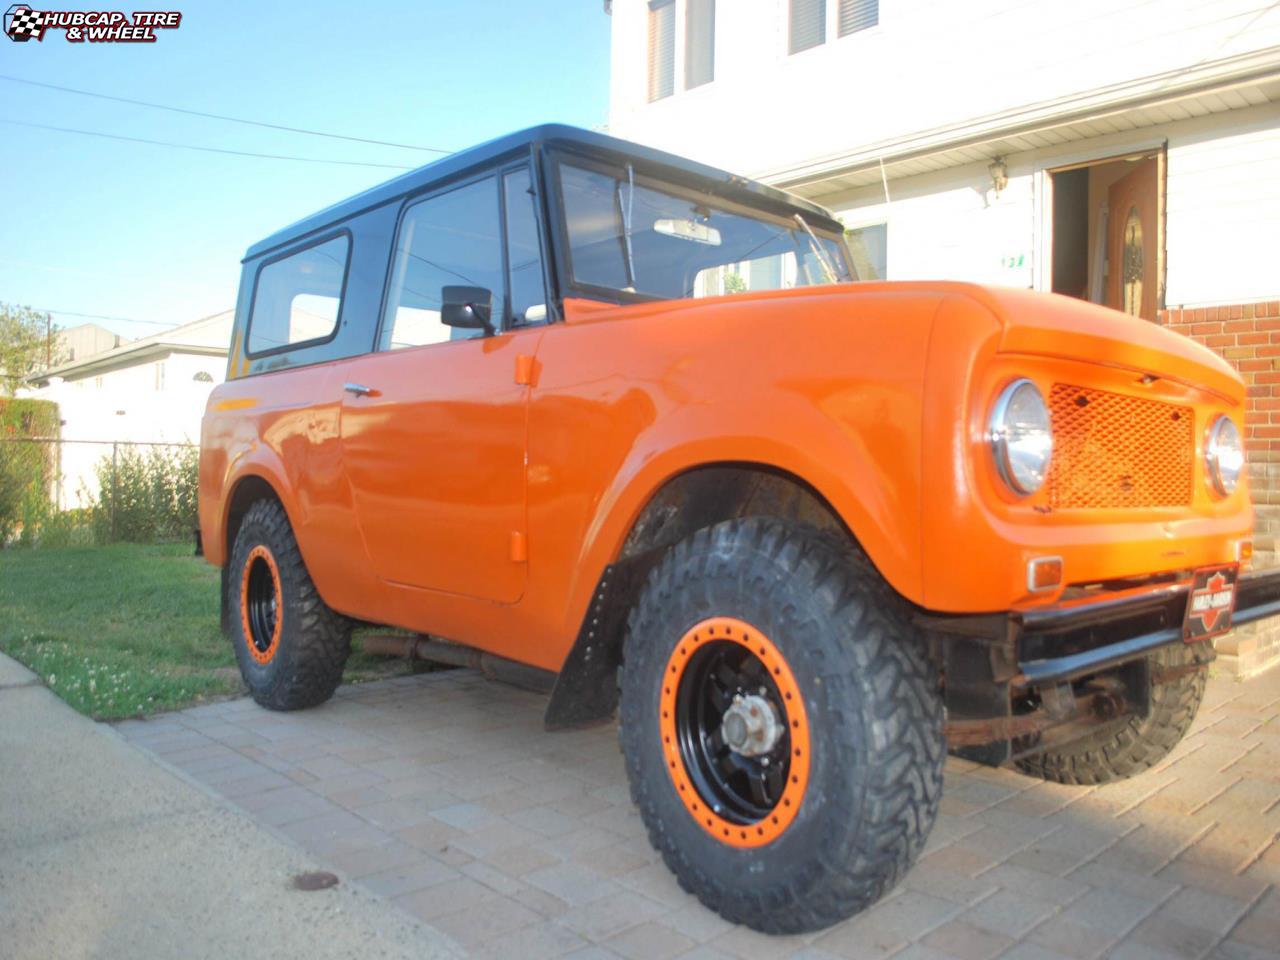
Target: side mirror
x: 470, y: 308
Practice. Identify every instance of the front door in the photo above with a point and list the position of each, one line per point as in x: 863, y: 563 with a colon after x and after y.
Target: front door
x: 1133, y: 240
x: 433, y: 422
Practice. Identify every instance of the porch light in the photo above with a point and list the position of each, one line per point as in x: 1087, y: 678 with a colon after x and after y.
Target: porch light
x: 999, y: 174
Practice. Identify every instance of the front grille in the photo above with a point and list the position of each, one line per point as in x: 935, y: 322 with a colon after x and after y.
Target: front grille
x: 1116, y: 451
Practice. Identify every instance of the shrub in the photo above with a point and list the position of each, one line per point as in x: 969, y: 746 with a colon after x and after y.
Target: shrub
x: 146, y: 497
x: 27, y: 470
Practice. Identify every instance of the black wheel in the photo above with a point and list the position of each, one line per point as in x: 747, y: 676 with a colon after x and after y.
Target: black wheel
x: 1130, y: 745
x: 291, y: 648
x: 782, y: 725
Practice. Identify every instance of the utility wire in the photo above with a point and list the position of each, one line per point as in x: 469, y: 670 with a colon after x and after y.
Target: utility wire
x: 191, y: 146
x: 220, y: 116
x: 99, y: 316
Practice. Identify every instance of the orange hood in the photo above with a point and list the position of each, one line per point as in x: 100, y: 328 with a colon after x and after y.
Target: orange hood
x: 1050, y: 325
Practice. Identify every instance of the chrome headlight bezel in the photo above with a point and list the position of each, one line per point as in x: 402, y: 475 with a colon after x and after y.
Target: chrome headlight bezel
x: 1014, y: 461
x: 1223, y: 455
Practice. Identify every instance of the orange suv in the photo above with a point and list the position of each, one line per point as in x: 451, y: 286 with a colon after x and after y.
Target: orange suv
x: 620, y: 426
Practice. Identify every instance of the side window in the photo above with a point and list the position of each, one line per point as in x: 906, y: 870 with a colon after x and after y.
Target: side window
x: 524, y: 254
x: 297, y: 298
x: 451, y: 239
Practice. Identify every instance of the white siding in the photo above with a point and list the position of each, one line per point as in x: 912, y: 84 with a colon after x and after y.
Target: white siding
x: 1223, y: 209
x: 925, y: 65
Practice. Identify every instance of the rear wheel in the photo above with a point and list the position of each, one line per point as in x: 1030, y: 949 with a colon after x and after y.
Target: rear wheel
x: 1130, y: 745
x: 291, y: 648
x: 782, y: 725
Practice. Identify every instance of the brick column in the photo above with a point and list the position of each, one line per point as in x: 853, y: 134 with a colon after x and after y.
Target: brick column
x: 1248, y: 336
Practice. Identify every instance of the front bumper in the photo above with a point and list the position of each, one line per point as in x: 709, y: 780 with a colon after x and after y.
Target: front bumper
x: 994, y: 665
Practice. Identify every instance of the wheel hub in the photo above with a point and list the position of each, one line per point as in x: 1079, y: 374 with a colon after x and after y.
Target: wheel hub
x: 750, y: 726
x: 735, y: 732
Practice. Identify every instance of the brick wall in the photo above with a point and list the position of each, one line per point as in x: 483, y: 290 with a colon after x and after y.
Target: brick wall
x: 1248, y: 336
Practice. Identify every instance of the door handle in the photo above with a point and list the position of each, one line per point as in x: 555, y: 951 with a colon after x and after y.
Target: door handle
x: 358, y: 389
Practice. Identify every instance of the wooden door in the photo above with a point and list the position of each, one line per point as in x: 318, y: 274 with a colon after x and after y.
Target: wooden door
x: 1133, y: 240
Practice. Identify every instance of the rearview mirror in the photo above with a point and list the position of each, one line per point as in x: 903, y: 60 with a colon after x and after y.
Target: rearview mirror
x: 470, y: 308
x: 694, y: 230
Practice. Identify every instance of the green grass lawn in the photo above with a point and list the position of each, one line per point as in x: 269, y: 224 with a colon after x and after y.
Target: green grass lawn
x: 126, y: 630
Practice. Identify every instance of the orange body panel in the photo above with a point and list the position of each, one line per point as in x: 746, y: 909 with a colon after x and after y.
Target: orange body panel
x: 408, y: 504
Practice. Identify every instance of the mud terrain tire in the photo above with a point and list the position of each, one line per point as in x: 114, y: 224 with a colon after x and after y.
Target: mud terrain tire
x: 1132, y: 744
x: 291, y: 648
x: 873, y: 719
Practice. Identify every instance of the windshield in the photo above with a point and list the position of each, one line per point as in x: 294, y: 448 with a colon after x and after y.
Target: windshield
x: 646, y: 240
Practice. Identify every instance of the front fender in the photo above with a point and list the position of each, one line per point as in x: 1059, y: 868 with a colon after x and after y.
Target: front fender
x: 826, y: 387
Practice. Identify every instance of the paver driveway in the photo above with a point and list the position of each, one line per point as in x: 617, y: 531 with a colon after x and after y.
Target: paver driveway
x: 442, y: 792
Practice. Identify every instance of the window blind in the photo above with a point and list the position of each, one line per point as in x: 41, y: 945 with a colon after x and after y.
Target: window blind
x: 858, y: 15
x: 662, y: 48
x: 700, y: 42
x: 808, y: 24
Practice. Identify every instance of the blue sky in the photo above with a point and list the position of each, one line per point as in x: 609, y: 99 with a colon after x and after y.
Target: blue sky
x: 99, y: 226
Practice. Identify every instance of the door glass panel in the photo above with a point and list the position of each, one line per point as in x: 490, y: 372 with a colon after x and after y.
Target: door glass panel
x: 524, y: 254
x: 1131, y: 262
x: 447, y: 240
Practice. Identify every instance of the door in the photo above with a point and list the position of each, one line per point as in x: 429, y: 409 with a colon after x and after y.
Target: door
x: 433, y: 422
x: 1133, y: 240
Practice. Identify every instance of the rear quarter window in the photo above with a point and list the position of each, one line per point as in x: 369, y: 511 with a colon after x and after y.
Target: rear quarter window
x: 297, y: 298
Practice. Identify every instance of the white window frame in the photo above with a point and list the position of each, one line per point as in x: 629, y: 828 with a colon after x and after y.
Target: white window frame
x: 680, y: 54
x: 832, y: 18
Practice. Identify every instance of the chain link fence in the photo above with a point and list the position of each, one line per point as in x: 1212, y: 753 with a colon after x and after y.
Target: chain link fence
x: 56, y: 492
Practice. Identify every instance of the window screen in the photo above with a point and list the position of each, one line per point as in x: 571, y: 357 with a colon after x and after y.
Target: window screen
x: 858, y: 15
x: 700, y: 43
x: 297, y: 298
x: 454, y: 239
x: 808, y: 24
x: 662, y: 48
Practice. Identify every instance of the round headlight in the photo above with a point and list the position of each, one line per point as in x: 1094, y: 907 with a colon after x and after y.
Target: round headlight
x: 1224, y: 455
x: 1020, y: 437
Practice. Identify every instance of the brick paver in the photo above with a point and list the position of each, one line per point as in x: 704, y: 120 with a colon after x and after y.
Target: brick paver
x: 442, y: 793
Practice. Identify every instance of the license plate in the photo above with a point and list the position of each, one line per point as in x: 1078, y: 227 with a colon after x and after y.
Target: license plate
x: 1211, y: 602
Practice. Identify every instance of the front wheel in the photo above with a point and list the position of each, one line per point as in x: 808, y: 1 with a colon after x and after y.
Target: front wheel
x: 782, y: 725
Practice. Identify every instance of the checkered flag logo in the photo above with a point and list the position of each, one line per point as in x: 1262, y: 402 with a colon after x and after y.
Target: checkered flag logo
x: 21, y: 24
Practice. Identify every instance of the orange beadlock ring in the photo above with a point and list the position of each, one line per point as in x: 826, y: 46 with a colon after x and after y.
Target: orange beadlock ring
x: 775, y: 823
x: 260, y: 552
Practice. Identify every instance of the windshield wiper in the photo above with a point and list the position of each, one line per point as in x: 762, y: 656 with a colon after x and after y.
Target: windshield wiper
x: 817, y: 250
x: 625, y: 213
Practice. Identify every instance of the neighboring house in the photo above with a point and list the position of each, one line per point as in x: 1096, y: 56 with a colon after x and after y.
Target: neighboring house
x: 151, y: 390
x: 85, y: 340
x: 60, y: 345
x: 1122, y: 151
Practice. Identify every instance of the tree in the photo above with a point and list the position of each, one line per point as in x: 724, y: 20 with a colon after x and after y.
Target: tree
x: 26, y: 345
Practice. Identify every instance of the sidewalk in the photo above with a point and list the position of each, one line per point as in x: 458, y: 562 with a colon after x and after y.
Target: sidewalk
x: 442, y: 792
x: 106, y: 853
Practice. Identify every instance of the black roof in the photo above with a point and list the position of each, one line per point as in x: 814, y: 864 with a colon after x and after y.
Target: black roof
x: 554, y: 133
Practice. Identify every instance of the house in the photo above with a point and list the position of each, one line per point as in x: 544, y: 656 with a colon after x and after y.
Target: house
x: 85, y: 340
x: 151, y: 390
x: 1122, y: 151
